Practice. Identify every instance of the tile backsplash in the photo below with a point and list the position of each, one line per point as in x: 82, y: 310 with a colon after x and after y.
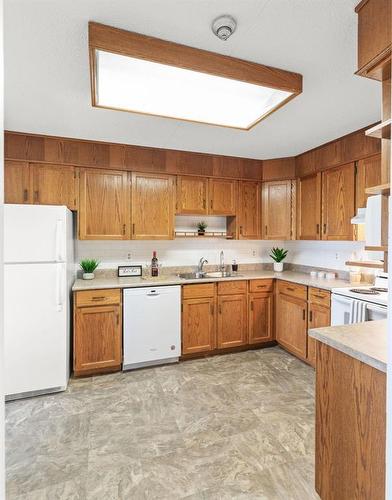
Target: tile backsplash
x: 187, y: 252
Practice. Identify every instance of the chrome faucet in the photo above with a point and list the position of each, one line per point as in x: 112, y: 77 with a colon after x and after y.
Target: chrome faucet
x: 222, y: 262
x: 202, y: 261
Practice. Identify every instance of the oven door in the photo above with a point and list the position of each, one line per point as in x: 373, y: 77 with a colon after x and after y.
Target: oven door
x: 340, y: 310
x: 375, y: 312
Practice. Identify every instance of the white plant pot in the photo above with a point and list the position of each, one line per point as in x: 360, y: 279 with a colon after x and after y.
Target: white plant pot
x: 278, y: 267
x: 88, y: 276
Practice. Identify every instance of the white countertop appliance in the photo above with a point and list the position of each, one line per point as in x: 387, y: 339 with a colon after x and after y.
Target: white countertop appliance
x: 38, y: 275
x: 360, y: 303
x: 152, y: 326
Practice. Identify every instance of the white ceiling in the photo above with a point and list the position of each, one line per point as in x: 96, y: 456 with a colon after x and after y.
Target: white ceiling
x: 47, y: 74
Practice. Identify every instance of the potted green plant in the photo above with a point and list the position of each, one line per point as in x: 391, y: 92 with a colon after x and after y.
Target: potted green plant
x: 278, y: 255
x: 89, y: 266
x: 201, y: 228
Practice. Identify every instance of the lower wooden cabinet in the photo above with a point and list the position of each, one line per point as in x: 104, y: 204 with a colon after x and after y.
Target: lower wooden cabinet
x: 198, y: 325
x: 232, y: 321
x: 291, y: 324
x: 260, y: 312
x: 97, y: 332
x: 318, y: 316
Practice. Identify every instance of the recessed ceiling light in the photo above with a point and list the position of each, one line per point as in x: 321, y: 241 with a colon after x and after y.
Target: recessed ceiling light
x: 140, y: 74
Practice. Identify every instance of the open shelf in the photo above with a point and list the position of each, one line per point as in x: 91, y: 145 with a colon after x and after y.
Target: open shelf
x: 210, y: 234
x: 381, y: 189
x: 366, y: 263
x: 377, y: 249
x: 381, y: 130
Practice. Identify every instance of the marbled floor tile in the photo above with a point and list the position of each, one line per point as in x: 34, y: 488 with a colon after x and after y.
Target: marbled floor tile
x: 74, y: 489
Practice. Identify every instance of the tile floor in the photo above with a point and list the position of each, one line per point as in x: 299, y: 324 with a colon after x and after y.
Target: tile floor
x: 234, y: 426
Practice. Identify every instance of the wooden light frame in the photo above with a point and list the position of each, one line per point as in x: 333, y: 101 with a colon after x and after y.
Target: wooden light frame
x: 126, y: 43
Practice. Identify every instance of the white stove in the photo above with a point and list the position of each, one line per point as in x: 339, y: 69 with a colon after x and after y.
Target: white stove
x: 360, y: 303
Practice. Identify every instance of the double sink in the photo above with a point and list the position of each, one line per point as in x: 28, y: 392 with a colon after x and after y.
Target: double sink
x: 203, y: 275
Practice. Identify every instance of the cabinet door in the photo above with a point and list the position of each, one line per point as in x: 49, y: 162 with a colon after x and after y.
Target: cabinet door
x: 338, y: 203
x: 318, y: 316
x: 309, y: 207
x: 55, y: 185
x: 249, y: 210
x: 17, y: 182
x: 291, y: 324
x: 97, y: 338
x: 104, y: 205
x: 232, y: 321
x: 191, y: 195
x: 152, y: 207
x: 368, y: 175
x: 198, y: 325
x: 260, y: 318
x: 222, y: 197
x: 277, y: 210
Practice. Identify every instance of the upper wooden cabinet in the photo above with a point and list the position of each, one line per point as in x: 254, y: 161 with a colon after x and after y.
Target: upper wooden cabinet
x: 104, y: 205
x: 191, y: 195
x: 309, y: 207
x: 368, y: 175
x: 222, y: 194
x: 17, y: 188
x: 249, y: 211
x: 55, y: 185
x: 374, y: 36
x: 152, y: 206
x: 260, y: 313
x: 277, y: 210
x: 338, y: 202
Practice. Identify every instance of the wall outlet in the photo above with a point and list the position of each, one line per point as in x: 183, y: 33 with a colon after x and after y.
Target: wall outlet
x: 254, y: 253
x: 129, y: 256
x: 336, y: 256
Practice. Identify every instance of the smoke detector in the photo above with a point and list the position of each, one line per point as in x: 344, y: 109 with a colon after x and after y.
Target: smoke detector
x: 224, y: 26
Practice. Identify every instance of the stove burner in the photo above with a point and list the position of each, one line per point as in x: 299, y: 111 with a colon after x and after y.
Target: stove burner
x: 379, y: 289
x: 365, y: 291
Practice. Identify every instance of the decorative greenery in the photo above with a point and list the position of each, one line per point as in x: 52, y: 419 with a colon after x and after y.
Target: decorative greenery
x: 278, y: 254
x: 201, y: 226
x: 89, y: 265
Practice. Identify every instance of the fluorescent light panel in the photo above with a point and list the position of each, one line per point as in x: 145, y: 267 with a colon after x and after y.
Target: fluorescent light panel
x: 141, y: 86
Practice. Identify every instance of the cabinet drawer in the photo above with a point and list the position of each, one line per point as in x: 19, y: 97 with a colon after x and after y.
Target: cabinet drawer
x: 261, y: 285
x: 198, y: 291
x: 98, y: 297
x: 231, y: 287
x: 319, y: 296
x: 292, y: 289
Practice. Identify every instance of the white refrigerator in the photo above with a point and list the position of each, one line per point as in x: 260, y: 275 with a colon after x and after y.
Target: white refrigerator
x: 38, y: 274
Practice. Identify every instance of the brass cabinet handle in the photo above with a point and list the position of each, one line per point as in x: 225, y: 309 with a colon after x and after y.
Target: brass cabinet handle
x: 25, y: 195
x: 261, y: 286
x: 220, y: 309
x: 98, y: 298
x: 325, y: 228
x: 251, y: 305
x: 133, y: 228
x: 204, y: 203
x: 319, y: 296
x: 212, y: 309
x: 317, y: 228
x: 211, y: 204
x: 310, y: 316
x: 290, y: 289
x: 303, y: 314
x: 266, y: 230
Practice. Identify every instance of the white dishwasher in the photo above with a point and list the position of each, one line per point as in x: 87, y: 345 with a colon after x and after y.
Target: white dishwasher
x: 152, y: 326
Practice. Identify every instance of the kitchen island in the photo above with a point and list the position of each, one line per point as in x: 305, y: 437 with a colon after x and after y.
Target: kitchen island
x: 351, y: 410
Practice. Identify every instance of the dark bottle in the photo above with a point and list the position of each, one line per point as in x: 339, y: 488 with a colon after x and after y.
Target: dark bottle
x: 234, y: 266
x: 154, y: 265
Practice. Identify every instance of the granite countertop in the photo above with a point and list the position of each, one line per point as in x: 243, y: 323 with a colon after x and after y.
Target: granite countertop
x: 366, y: 342
x: 295, y: 277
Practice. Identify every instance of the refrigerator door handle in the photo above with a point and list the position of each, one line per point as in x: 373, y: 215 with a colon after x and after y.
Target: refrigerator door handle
x: 59, y: 287
x: 59, y: 241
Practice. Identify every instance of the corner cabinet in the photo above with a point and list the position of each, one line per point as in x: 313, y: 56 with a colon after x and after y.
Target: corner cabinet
x: 277, y: 210
x: 97, y: 332
x: 232, y: 328
x: 152, y: 206
x: 249, y: 211
x: 104, y: 205
x: 309, y: 207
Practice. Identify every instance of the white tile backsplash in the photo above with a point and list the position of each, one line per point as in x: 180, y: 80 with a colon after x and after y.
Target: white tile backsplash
x: 184, y: 252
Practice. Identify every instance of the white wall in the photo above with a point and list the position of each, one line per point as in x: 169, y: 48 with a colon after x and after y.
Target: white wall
x: 185, y: 252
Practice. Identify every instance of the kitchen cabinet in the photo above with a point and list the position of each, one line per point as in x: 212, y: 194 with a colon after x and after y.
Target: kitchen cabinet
x: 97, y: 332
x: 249, y: 211
x: 152, y: 207
x: 338, y: 202
x: 222, y: 194
x: 104, y: 205
x: 260, y: 314
x: 291, y: 318
x: 232, y: 321
x: 319, y: 315
x: 17, y: 182
x: 55, y: 185
x: 277, y: 215
x: 309, y: 207
x: 191, y: 195
x: 198, y: 325
x: 368, y: 175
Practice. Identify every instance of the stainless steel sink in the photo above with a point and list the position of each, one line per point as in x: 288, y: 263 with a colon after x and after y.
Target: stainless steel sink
x: 200, y: 276
x: 221, y: 274
x: 192, y: 276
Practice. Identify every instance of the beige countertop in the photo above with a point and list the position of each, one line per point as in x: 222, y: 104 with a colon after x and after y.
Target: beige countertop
x: 366, y: 342
x: 295, y: 277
